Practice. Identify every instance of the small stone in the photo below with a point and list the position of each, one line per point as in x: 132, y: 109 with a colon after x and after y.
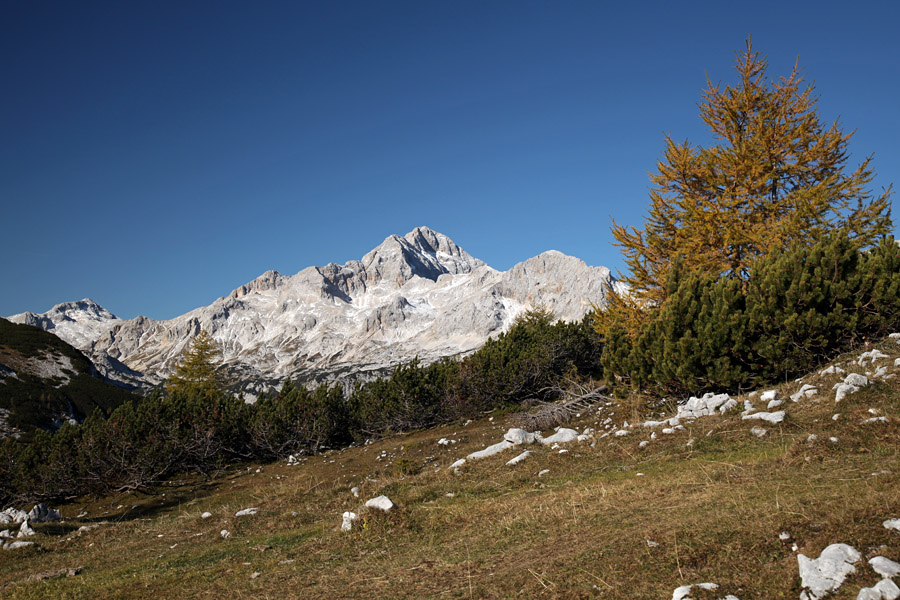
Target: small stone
x: 206, y: 515
x: 758, y: 431
x: 246, y: 512
x: 355, y: 492
x: 892, y: 524
x: 544, y: 472
x: 255, y: 574
x: 225, y: 534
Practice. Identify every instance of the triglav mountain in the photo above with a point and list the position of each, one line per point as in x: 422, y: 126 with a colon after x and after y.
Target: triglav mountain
x: 419, y: 295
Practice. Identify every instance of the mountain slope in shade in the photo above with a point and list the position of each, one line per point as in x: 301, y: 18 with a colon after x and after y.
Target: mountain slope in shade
x: 45, y: 382
x: 416, y: 295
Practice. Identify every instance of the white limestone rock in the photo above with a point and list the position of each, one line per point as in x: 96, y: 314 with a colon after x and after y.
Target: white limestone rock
x: 562, y: 436
x: 12, y: 516
x: 883, y: 590
x: 382, y: 503
x: 824, y: 575
x: 768, y: 395
x: 206, y: 515
x: 705, y: 406
x: 348, y: 519
x: 758, y: 431
x: 769, y: 417
x: 25, y: 530
x: 892, y: 524
x: 16, y: 545
x: 870, y: 357
x: 519, y: 436
x: 42, y: 514
x: 246, y: 512
x: 491, y: 450
x: 856, y: 379
x: 885, y: 566
x: 832, y: 370
x: 806, y: 391
x: 457, y: 464
x: 518, y: 459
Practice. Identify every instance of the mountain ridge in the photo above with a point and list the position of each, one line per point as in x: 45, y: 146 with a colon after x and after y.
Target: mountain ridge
x: 418, y: 295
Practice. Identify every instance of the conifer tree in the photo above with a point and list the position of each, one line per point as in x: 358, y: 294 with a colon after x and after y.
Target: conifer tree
x: 775, y: 176
x: 196, y: 373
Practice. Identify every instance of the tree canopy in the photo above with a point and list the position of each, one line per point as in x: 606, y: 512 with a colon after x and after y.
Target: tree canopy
x: 777, y: 175
x: 197, y: 373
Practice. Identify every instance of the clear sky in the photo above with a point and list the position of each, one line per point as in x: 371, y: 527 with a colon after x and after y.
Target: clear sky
x: 154, y: 156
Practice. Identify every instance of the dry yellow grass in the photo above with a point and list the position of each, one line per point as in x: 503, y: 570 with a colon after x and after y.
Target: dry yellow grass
x: 610, y: 521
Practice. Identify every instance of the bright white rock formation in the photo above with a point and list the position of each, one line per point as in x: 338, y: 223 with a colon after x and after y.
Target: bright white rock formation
x: 820, y: 577
x: 382, y: 503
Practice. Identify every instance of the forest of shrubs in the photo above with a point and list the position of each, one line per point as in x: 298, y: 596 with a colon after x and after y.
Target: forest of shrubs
x: 760, y: 257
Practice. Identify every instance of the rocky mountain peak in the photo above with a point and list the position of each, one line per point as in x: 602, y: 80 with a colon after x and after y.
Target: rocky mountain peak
x: 78, y: 323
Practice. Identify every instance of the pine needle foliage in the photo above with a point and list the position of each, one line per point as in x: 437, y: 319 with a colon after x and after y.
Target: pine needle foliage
x: 777, y: 175
x: 802, y: 307
x: 197, y: 374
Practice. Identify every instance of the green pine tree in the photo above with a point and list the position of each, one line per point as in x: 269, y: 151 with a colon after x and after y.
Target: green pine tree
x: 197, y: 372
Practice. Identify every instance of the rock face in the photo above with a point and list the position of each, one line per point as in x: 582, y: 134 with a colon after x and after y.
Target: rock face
x: 419, y: 295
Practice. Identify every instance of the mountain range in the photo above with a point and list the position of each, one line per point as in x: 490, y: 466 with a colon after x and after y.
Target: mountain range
x: 419, y: 295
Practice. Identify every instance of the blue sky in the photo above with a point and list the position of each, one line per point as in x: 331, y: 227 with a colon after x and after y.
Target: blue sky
x: 154, y: 156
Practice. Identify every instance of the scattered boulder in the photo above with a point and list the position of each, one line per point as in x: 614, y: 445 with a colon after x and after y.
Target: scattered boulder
x: 770, y: 417
x: 12, y: 516
x: 25, y: 530
x: 832, y: 370
x: 852, y: 383
x: 519, y: 436
x: 457, y: 464
x: 822, y: 576
x: 348, y: 519
x: 883, y: 590
x: 857, y: 380
x: 225, y: 534
x: 870, y: 357
x: 518, y: 459
x: 246, y: 512
x: 892, y: 524
x: 885, y: 566
x: 708, y: 405
x: 382, y: 503
x: 807, y: 391
x: 491, y: 450
x: 758, y: 431
x: 41, y: 514
x: 292, y: 461
x: 562, y: 436
x: 768, y: 395
x: 16, y: 545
